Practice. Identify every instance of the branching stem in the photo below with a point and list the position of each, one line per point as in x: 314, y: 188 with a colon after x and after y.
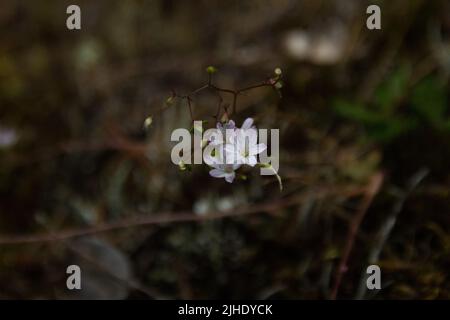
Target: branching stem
x: 271, y: 82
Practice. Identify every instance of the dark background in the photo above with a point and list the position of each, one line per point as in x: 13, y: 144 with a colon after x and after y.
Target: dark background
x: 357, y: 107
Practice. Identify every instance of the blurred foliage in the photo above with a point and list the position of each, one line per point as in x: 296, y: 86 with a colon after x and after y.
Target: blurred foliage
x: 385, y: 122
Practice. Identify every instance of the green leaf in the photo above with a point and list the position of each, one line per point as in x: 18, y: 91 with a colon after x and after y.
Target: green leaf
x: 392, y: 90
x: 429, y: 101
x: 391, y: 128
x: 357, y: 112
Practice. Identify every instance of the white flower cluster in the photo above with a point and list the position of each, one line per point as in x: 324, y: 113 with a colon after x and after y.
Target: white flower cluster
x: 232, y: 147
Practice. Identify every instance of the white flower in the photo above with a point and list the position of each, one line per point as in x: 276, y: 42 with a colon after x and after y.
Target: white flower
x: 226, y: 171
x: 219, y: 136
x: 227, y: 125
x: 248, y: 124
x: 244, y: 148
x: 225, y: 132
x: 234, y: 147
x: 8, y: 137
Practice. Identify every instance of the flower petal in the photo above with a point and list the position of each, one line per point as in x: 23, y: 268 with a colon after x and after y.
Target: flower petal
x: 229, y: 177
x: 217, y: 173
x: 257, y: 149
x: 231, y: 125
x: 230, y: 148
x: 247, y: 123
x: 236, y: 166
x: 251, y: 161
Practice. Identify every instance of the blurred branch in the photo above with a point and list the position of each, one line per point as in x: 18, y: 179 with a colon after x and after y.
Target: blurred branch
x: 372, y: 189
x: 169, y: 217
x: 388, y: 225
x: 116, y: 141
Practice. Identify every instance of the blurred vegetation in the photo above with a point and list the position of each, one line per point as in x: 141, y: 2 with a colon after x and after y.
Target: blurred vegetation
x: 356, y: 103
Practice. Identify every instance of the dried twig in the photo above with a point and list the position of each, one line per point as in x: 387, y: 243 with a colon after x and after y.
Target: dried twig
x: 374, y: 186
x: 169, y: 217
x: 387, y: 226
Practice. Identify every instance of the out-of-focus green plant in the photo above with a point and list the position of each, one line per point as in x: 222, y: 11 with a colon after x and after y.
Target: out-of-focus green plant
x: 429, y: 101
x: 384, y: 119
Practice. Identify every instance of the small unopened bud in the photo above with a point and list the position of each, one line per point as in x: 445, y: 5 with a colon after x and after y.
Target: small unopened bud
x: 224, y: 118
x: 182, y: 165
x: 170, y: 99
x: 148, y: 122
x: 278, y: 71
x: 211, y: 70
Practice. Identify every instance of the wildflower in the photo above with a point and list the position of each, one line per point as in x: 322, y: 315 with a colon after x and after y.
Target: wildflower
x: 243, y: 148
x: 248, y: 124
x: 227, y: 125
x: 226, y: 171
x: 219, y: 136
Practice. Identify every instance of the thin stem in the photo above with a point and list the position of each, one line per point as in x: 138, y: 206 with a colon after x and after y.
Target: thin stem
x: 371, y: 191
x: 235, y: 92
x: 190, y: 108
x: 259, y: 85
x: 219, y: 105
x: 233, y: 111
x: 206, y: 86
x: 151, y: 219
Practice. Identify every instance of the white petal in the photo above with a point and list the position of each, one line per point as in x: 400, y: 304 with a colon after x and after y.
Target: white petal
x: 229, y: 177
x: 217, y: 173
x: 231, y: 153
x: 236, y: 166
x: 247, y: 123
x: 230, y: 148
x: 257, y: 149
x: 251, y: 161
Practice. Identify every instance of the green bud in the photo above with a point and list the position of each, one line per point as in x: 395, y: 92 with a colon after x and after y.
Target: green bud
x: 279, y: 85
x: 148, y: 122
x: 182, y: 165
x: 170, y: 100
x: 224, y: 118
x: 211, y: 70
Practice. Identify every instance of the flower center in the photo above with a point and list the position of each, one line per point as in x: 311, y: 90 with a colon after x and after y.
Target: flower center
x: 228, y: 169
x: 244, y: 153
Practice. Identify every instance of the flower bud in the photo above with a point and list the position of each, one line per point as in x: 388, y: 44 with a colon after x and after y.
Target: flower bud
x: 148, y: 122
x: 182, y: 165
x: 211, y: 70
